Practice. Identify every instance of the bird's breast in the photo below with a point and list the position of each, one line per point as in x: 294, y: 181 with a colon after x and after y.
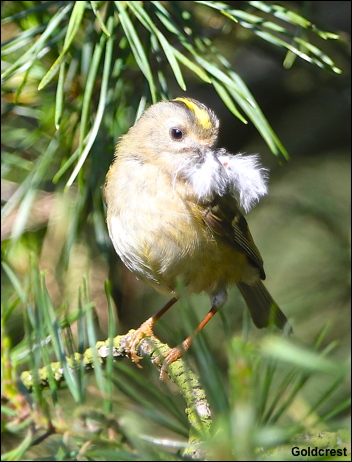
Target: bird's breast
x: 158, y: 232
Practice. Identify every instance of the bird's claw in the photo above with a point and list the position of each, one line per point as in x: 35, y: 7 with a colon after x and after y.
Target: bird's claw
x: 134, y: 338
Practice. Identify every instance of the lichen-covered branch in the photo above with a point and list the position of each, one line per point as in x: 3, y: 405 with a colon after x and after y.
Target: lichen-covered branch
x: 197, y: 407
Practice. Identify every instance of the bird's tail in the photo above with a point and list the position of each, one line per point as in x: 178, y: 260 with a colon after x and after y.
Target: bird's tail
x: 264, y: 310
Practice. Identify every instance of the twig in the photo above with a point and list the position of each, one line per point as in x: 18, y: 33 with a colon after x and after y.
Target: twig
x: 197, y: 407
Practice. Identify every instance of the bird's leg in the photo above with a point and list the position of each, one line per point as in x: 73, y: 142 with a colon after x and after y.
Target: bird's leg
x: 171, y: 355
x: 144, y: 330
x: 175, y: 353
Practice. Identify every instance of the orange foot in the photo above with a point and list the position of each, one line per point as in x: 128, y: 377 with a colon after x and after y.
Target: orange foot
x: 173, y: 354
x: 133, y: 339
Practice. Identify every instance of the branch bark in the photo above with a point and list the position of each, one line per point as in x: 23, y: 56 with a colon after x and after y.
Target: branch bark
x: 197, y: 407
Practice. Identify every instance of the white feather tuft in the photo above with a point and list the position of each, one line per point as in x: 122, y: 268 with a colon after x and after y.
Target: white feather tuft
x: 207, y: 177
x: 246, y: 178
x: 221, y: 172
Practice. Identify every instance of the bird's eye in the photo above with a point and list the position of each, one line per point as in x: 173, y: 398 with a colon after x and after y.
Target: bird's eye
x: 176, y: 134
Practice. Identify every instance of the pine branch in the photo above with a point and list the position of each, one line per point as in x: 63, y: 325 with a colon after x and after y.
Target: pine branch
x: 197, y: 407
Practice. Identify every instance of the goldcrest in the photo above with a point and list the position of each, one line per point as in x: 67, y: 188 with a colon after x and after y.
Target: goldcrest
x: 175, y: 212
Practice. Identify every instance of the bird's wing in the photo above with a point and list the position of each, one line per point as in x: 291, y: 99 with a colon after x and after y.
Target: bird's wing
x: 223, y: 216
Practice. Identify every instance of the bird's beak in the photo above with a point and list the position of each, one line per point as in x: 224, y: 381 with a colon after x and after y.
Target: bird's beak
x: 216, y: 158
x: 203, y: 152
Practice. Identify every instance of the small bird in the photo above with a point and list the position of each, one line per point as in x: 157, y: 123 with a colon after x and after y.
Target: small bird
x: 175, y: 214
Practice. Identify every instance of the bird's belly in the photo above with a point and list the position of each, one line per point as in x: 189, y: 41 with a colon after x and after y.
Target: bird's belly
x: 178, y: 251
x: 163, y: 239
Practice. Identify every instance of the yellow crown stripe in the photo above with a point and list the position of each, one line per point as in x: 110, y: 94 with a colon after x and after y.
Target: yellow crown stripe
x: 201, y: 114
